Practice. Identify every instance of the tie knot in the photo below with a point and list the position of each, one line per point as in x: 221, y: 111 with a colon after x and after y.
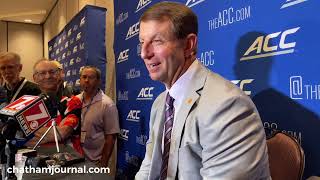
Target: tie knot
x: 169, y: 100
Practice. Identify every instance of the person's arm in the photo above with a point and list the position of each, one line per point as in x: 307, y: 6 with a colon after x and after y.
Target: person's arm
x: 233, y: 141
x: 65, y: 127
x: 65, y: 130
x: 107, y: 149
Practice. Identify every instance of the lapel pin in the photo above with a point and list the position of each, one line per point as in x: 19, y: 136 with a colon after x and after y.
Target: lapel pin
x: 189, y: 101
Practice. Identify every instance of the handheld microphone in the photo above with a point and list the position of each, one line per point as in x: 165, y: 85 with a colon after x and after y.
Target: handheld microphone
x: 31, y: 112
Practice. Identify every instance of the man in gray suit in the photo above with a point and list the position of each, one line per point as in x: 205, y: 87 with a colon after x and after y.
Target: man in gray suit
x: 202, y: 126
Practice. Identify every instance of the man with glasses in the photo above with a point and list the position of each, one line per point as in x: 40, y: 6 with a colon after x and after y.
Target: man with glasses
x: 47, y: 74
x: 15, y: 85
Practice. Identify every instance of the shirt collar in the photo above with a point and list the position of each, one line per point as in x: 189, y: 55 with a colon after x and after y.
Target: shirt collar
x: 179, y: 88
x: 97, y: 97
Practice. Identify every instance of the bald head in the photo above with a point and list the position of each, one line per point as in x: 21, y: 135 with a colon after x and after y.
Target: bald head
x: 47, y: 74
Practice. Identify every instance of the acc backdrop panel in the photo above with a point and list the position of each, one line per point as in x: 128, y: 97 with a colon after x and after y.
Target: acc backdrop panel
x: 266, y: 48
x: 81, y: 43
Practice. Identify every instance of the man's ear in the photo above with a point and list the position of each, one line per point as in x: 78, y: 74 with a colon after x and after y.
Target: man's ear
x: 34, y: 78
x: 191, y: 43
x: 20, y: 67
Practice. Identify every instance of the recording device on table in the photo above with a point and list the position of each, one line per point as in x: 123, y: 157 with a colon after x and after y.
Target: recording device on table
x: 25, y: 115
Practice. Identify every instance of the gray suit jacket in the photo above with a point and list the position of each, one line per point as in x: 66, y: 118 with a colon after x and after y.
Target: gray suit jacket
x: 217, y: 134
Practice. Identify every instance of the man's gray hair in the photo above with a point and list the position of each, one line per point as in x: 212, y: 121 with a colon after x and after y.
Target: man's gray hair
x: 10, y: 56
x: 56, y: 63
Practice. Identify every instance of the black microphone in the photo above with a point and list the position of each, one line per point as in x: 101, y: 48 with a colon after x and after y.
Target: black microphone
x: 52, y: 104
x: 3, y: 97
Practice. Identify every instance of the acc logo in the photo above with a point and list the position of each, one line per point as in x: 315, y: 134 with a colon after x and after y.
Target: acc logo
x: 63, y: 55
x: 77, y: 82
x: 191, y: 3
x: 123, y: 56
x: 142, y: 4
x: 242, y: 84
x: 75, y: 49
x: 134, y: 115
x: 78, y: 60
x: 78, y: 36
x: 71, y: 41
x: 139, y: 49
x: 81, y: 46
x: 145, y: 94
x: 69, y: 32
x: 83, y: 21
x: 134, y: 160
x: 262, y: 48
x: 133, y: 73
x: 75, y: 27
x: 123, y: 96
x: 74, y: 72
x: 133, y: 30
x: 289, y: 3
x: 124, y: 134
x: 66, y: 44
x: 122, y: 17
x: 142, y: 139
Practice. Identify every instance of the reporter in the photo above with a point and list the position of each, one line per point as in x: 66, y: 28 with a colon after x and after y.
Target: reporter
x: 47, y: 74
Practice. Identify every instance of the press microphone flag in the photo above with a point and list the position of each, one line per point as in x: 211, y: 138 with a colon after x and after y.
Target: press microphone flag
x: 30, y: 112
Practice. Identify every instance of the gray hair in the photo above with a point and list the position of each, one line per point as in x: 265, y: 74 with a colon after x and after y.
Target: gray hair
x: 10, y: 56
x: 56, y: 63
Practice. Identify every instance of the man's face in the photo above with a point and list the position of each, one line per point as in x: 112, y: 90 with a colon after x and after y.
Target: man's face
x: 161, y: 52
x: 10, y: 70
x: 88, y: 80
x: 47, y: 75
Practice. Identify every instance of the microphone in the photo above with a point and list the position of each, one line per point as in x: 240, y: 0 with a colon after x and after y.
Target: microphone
x: 3, y: 97
x: 31, y: 112
x: 52, y: 103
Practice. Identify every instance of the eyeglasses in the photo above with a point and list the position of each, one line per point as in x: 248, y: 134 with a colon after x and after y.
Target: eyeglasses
x: 8, y: 67
x: 52, y: 72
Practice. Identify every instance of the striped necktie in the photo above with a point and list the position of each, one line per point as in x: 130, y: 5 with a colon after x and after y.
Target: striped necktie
x: 169, y: 116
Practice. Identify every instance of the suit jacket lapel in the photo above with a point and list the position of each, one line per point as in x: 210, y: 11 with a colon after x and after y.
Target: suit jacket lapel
x: 191, y: 97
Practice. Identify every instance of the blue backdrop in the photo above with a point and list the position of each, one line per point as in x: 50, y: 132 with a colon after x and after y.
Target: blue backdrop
x: 267, y: 48
x: 81, y: 43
